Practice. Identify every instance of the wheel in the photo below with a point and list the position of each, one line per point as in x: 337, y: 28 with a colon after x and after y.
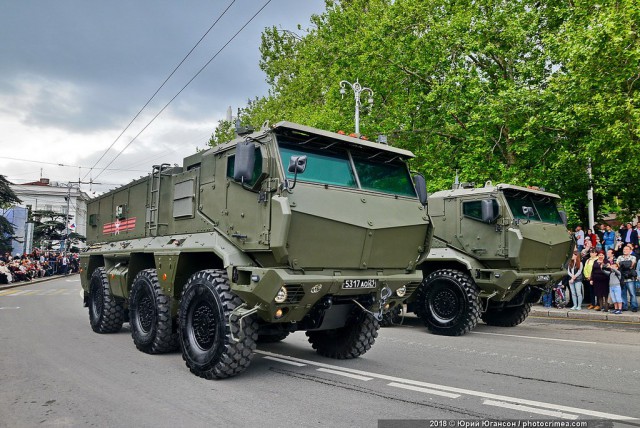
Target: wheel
x: 447, y: 302
x: 106, y: 313
x: 507, y: 317
x: 208, y: 346
x: 350, y: 341
x: 152, y: 327
x: 272, y: 338
x: 392, y: 317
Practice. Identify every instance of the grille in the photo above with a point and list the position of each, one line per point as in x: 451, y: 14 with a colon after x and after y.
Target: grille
x: 295, y: 293
x: 411, y: 287
x: 517, y: 283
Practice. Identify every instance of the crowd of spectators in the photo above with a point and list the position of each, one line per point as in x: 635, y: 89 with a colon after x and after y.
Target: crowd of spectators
x: 604, y: 270
x: 37, y: 264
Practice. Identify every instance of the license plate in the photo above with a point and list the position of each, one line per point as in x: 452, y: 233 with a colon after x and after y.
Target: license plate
x: 360, y: 283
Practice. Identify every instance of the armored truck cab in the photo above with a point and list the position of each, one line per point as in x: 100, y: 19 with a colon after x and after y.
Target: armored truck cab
x: 495, y: 249
x: 288, y: 228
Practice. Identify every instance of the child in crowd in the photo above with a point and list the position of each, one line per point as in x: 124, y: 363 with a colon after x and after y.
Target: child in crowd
x: 614, y: 287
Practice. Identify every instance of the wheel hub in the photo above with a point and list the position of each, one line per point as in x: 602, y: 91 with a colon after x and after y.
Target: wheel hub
x: 146, y: 313
x: 204, y: 325
x: 444, y: 305
x: 97, y: 301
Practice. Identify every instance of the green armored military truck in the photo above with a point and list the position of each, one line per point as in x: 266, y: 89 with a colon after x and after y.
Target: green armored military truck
x: 284, y: 229
x: 494, y: 251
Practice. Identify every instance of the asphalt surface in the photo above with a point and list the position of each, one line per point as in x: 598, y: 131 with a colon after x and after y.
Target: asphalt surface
x: 54, y: 371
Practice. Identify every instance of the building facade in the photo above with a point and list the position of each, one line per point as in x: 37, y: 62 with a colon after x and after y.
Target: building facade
x: 60, y: 198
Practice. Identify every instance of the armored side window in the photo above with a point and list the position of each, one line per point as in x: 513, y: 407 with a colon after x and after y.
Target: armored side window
x: 472, y: 209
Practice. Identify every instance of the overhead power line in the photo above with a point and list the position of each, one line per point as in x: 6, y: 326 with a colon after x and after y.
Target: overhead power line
x: 184, y: 87
x: 158, y: 90
x: 64, y: 165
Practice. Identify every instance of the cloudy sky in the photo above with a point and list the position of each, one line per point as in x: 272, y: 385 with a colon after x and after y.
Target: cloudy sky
x: 74, y: 73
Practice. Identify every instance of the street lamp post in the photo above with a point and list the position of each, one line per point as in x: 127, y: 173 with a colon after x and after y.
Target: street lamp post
x: 357, y: 90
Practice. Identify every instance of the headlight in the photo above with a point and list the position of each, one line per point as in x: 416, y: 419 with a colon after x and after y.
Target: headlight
x: 401, y: 291
x: 281, y: 296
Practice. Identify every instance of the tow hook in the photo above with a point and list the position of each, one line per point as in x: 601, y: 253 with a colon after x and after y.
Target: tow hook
x: 385, y: 293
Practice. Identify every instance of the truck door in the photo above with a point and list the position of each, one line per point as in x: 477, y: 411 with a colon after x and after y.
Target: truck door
x: 248, y: 208
x: 483, y: 240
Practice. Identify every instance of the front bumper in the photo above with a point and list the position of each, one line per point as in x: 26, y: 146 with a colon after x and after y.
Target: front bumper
x: 258, y: 287
x: 504, y: 285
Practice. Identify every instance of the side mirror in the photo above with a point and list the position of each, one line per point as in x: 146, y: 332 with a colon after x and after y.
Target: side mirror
x: 421, y: 188
x: 490, y: 210
x: 244, y: 162
x: 297, y: 164
x: 563, y: 217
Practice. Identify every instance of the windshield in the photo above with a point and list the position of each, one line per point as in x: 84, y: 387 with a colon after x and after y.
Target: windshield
x: 328, y: 164
x: 544, y: 208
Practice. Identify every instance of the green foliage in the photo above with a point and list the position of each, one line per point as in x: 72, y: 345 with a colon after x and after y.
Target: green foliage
x: 7, y: 199
x: 521, y: 92
x: 224, y: 132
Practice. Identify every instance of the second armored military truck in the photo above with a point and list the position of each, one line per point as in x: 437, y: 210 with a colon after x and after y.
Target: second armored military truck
x: 288, y: 228
x: 495, y: 249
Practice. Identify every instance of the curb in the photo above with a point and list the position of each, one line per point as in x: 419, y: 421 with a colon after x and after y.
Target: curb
x: 35, y: 281
x: 585, y: 314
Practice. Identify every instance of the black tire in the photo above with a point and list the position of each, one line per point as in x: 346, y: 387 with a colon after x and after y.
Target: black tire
x: 350, y: 341
x: 152, y: 328
x: 507, y: 317
x: 392, y: 317
x: 272, y: 338
x: 208, y: 347
x: 447, y: 302
x: 106, y: 313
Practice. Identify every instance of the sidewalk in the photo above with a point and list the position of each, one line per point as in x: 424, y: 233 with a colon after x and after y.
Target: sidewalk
x: 34, y: 281
x: 538, y: 310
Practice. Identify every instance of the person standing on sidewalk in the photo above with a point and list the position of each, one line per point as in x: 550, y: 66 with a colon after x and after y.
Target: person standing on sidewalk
x: 630, y: 236
x: 579, y: 235
x: 586, y: 273
x: 600, y: 281
x: 614, y: 287
x: 609, y: 238
x: 575, y: 281
x: 627, y: 262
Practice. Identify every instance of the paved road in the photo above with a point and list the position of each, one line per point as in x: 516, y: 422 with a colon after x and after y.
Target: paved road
x: 54, y: 371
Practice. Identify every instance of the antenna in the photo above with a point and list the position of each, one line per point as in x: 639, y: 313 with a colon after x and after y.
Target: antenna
x: 456, y: 181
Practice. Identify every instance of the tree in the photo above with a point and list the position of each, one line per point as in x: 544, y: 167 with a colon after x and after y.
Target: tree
x: 7, y: 199
x: 50, y: 226
x: 522, y: 92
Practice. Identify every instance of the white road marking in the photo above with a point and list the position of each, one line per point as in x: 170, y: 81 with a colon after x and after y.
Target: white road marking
x: 530, y: 409
x: 280, y: 360
x: 425, y: 390
x: 341, y: 373
x: 522, y: 401
x: 9, y: 307
x: 533, y: 337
